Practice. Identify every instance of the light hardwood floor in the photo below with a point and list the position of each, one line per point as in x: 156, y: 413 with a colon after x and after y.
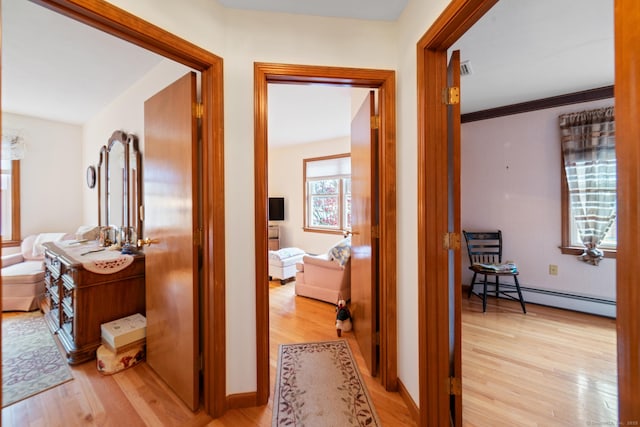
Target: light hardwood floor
x: 547, y: 368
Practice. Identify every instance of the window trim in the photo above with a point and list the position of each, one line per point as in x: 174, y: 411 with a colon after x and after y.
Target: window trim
x: 305, y: 220
x: 567, y: 248
x: 15, y: 239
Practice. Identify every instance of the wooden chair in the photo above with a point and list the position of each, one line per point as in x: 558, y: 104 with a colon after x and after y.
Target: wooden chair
x: 485, y: 255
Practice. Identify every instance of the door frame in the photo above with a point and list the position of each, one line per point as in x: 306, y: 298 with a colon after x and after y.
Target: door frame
x: 384, y: 81
x: 126, y: 26
x: 433, y: 331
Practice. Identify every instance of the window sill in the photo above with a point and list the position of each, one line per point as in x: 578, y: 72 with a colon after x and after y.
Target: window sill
x: 322, y: 230
x: 573, y: 250
x: 11, y: 243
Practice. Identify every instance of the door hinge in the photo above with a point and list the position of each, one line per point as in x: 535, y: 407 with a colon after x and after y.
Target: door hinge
x: 375, y: 231
x: 375, y: 122
x: 198, y: 236
x: 198, y: 110
x: 455, y: 386
x: 451, y: 95
x: 451, y: 241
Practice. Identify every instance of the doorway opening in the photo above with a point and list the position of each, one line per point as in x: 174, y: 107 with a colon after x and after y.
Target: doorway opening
x: 121, y: 24
x: 384, y: 82
x: 432, y: 54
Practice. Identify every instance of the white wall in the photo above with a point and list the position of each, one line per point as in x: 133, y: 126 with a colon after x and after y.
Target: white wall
x: 125, y: 113
x: 511, y: 171
x: 270, y: 37
x: 52, y: 175
x: 286, y: 179
x: 414, y: 22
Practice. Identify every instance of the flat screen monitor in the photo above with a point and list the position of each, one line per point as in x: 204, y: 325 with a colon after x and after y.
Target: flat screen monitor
x: 276, y: 208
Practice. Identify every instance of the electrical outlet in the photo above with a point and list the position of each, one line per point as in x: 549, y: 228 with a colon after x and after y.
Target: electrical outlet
x: 553, y: 269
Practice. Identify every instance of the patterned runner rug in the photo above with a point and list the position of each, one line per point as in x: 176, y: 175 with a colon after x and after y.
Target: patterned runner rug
x: 31, y: 361
x: 318, y: 384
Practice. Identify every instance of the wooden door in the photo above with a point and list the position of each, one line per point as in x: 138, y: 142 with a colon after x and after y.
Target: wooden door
x: 364, y: 250
x: 455, y: 274
x: 170, y: 221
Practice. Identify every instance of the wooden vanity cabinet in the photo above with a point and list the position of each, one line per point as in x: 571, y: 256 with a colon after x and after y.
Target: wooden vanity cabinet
x: 77, y: 301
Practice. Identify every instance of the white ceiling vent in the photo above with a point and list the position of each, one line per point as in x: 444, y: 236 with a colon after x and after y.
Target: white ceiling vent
x: 465, y: 68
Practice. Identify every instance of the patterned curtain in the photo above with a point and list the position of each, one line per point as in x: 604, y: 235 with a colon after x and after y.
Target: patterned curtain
x: 588, y: 147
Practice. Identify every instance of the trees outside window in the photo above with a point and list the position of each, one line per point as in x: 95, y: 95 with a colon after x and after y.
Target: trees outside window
x: 327, y: 184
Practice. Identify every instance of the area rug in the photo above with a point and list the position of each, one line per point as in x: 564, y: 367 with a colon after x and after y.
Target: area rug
x: 31, y: 361
x: 318, y: 384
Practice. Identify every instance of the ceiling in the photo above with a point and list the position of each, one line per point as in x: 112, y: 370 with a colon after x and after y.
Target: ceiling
x: 58, y: 69
x: 531, y: 49
x: 377, y: 10
x: 519, y: 51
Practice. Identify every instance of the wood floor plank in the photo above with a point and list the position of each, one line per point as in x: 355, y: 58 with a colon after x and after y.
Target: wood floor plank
x: 549, y: 367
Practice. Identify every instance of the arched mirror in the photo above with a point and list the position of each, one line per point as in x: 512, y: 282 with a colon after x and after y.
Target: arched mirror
x: 120, y: 184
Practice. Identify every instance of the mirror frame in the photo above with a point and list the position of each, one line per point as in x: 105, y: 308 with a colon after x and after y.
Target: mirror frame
x: 132, y: 182
x: 100, y: 182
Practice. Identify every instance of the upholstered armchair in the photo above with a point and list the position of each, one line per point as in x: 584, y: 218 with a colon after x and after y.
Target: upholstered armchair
x: 326, y: 277
x: 23, y: 273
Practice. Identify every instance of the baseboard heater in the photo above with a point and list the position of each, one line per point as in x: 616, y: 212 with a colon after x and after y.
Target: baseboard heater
x: 568, y: 295
x: 576, y: 302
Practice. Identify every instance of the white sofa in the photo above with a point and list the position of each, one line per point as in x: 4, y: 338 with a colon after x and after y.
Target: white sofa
x: 326, y: 277
x: 23, y: 273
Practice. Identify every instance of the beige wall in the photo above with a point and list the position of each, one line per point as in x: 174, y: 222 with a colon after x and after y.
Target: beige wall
x: 244, y: 37
x: 52, y: 174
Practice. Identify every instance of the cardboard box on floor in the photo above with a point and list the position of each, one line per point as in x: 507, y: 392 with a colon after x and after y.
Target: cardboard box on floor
x: 121, y: 334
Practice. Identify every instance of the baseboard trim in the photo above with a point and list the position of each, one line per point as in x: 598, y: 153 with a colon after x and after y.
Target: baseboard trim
x: 242, y: 400
x: 414, y: 411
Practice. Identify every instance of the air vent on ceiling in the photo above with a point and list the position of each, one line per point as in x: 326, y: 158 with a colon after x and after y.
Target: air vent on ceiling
x: 465, y: 68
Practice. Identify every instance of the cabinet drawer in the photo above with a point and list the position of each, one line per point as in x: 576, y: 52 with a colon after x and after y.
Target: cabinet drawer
x: 68, y: 327
x: 53, y: 266
x: 67, y: 312
x: 68, y: 281
x: 54, y: 313
x: 53, y: 295
x: 67, y: 304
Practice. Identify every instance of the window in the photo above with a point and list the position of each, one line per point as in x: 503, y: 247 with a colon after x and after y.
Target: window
x: 327, y: 187
x: 10, y: 202
x: 609, y: 242
x: 589, y: 225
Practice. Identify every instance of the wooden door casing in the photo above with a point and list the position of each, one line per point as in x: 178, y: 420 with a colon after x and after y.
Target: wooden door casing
x: 627, y: 93
x: 171, y: 221
x: 384, y: 82
x: 454, y: 227
x: 433, y: 208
